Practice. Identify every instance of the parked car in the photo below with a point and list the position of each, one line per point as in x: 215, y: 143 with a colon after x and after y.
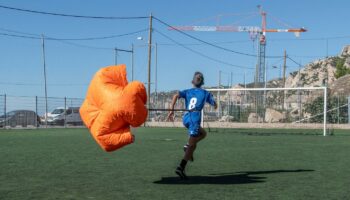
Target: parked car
x: 20, y: 118
x: 61, y: 116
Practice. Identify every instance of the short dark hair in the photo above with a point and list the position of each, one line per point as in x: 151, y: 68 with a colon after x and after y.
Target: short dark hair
x: 198, y: 79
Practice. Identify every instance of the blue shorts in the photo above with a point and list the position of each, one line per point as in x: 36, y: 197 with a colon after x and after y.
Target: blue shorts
x: 192, y: 121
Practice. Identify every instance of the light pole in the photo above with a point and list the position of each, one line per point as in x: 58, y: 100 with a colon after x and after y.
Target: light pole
x: 149, y: 61
x: 44, y: 64
x: 279, y: 72
x: 156, y: 73
x: 156, y: 67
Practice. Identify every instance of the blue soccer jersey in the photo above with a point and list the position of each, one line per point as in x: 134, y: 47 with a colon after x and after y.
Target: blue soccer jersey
x: 195, y: 99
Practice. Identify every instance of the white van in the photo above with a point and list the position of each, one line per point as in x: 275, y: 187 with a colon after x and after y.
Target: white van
x: 61, y: 116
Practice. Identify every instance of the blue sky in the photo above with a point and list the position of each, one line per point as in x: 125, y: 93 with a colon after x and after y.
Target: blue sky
x: 72, y: 64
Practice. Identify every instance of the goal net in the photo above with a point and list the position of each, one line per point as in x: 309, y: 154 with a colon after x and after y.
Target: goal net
x: 302, y: 110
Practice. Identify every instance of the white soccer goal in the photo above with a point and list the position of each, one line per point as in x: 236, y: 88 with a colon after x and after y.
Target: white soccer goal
x: 269, y: 108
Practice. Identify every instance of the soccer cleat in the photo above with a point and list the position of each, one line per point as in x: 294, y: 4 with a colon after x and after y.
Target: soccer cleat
x: 181, y: 173
x: 185, y: 149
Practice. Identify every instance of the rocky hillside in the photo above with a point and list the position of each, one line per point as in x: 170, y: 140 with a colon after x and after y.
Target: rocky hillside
x: 314, y: 74
x: 319, y: 72
x: 280, y: 106
x: 341, y: 86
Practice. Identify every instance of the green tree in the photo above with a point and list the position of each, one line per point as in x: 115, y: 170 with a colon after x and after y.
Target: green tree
x: 315, y: 108
x: 341, y: 69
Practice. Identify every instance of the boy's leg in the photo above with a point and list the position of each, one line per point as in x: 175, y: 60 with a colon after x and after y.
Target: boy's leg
x: 185, y: 149
x: 192, y: 143
x: 193, y: 126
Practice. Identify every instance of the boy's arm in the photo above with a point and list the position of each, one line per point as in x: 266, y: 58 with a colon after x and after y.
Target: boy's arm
x: 211, y: 101
x: 171, y: 113
x: 215, y: 105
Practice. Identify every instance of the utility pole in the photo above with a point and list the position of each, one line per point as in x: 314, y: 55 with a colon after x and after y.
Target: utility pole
x: 44, y: 64
x: 219, y: 104
x: 149, y: 61
x: 115, y: 56
x: 284, y: 76
x: 284, y: 68
x: 299, y: 92
x: 156, y: 73
x: 132, y: 62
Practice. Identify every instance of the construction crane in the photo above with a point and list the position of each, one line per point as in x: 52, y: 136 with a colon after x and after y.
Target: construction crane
x: 253, y: 30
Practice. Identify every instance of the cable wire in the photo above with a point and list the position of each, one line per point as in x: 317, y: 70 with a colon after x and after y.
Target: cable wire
x: 98, y: 38
x: 201, y: 54
x: 312, y: 39
x: 32, y: 36
x: 294, y: 61
x: 20, y: 32
x: 39, y: 84
x: 58, y: 40
x: 199, y: 44
x: 20, y: 36
x: 208, y: 43
x: 69, y: 15
x: 200, y: 40
x: 84, y: 46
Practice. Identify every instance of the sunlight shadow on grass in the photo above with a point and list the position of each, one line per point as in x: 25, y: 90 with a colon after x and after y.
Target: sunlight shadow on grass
x: 243, y: 177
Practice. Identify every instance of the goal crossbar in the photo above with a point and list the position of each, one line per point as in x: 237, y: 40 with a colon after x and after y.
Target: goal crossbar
x: 267, y: 89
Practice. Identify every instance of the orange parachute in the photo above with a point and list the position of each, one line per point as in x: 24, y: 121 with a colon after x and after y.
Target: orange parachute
x: 112, y: 105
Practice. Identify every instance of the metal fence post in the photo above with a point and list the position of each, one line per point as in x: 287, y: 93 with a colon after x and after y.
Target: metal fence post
x: 5, y: 110
x: 338, y: 112
x: 349, y: 109
x: 36, y: 111
x: 65, y: 112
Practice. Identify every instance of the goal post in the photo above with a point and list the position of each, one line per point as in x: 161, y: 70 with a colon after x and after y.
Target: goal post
x: 287, y: 108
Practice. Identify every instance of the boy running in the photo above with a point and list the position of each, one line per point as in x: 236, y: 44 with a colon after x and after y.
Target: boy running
x: 195, y: 99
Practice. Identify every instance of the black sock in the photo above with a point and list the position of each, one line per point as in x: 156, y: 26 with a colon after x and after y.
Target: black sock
x: 183, y: 163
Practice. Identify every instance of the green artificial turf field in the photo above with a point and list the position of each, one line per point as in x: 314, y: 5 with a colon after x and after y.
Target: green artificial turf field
x: 233, y: 164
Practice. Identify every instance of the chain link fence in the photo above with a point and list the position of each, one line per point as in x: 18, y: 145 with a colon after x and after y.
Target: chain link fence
x: 299, y: 108
x: 24, y: 111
